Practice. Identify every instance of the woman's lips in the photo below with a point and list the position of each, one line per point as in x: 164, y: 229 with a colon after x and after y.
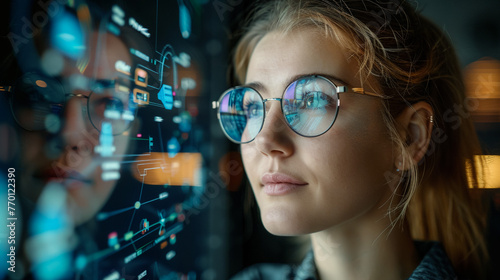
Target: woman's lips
x: 69, y: 178
x: 280, y: 184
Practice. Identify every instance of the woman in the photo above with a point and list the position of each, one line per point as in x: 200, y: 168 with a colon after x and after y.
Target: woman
x: 350, y: 133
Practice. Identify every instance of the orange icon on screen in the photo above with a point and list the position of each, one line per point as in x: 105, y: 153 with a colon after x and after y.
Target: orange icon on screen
x: 144, y: 226
x: 160, y: 169
x: 141, y: 97
x: 141, y: 77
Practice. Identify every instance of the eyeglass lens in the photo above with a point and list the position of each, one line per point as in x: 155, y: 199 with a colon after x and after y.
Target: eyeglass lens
x: 112, y: 106
x: 37, y: 100
x: 309, y: 106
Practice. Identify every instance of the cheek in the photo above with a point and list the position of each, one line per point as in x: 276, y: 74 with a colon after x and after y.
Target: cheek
x: 250, y: 157
x: 363, y: 142
x: 247, y: 155
x: 348, y: 179
x: 84, y: 203
x: 121, y: 143
x: 100, y: 190
x: 32, y: 147
x: 357, y: 167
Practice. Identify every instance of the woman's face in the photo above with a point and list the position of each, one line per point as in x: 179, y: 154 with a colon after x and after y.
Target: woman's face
x: 305, y: 185
x: 70, y: 157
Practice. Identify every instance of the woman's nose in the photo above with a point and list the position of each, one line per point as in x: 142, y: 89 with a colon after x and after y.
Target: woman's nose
x: 275, y: 138
x: 75, y: 122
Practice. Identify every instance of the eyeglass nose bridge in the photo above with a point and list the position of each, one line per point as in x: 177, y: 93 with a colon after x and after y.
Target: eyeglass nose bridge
x: 69, y: 95
x: 85, y: 109
x: 275, y: 127
x: 265, y: 108
x: 271, y: 99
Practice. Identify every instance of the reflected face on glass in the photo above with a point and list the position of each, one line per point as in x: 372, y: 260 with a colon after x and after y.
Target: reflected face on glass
x: 73, y: 133
x: 310, y: 184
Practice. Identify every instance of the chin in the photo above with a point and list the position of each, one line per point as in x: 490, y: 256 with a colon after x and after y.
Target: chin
x: 81, y: 214
x: 283, y: 224
x: 84, y: 204
x: 285, y: 230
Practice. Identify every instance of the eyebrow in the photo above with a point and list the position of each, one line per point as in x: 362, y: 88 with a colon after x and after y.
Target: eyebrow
x: 262, y: 88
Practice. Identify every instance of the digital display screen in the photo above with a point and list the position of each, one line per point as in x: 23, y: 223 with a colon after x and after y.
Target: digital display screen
x: 106, y: 135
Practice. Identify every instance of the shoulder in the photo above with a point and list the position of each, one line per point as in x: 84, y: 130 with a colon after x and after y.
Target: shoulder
x: 435, y: 263
x: 305, y: 271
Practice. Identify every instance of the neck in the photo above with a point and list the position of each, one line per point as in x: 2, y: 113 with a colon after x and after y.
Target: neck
x: 373, y: 251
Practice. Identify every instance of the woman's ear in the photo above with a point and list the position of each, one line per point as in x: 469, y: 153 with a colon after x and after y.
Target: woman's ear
x: 415, y: 125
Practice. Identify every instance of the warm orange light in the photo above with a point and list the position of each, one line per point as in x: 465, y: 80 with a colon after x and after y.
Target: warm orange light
x: 160, y: 169
x: 482, y: 82
x: 83, y: 13
x: 41, y: 83
x: 488, y: 171
x: 231, y: 170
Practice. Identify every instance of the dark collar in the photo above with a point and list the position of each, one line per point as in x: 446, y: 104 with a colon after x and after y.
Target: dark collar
x: 434, y: 265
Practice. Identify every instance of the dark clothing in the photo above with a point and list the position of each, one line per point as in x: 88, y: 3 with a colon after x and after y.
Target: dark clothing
x: 435, y: 265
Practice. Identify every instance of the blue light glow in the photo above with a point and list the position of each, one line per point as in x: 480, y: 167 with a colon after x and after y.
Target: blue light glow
x: 173, y: 147
x: 184, y: 20
x: 67, y: 35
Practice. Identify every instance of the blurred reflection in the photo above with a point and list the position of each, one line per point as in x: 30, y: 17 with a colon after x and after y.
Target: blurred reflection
x: 488, y: 166
x: 61, y: 120
x: 482, y: 81
x: 72, y: 122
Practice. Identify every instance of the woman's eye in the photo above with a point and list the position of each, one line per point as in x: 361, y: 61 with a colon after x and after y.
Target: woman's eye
x: 253, y: 110
x: 310, y: 101
x: 315, y: 100
x: 106, y: 103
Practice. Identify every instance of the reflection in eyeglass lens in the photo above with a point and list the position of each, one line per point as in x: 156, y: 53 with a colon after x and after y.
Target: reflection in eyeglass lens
x: 309, y: 106
x: 254, y: 109
x: 311, y: 109
x: 38, y: 104
x: 35, y: 98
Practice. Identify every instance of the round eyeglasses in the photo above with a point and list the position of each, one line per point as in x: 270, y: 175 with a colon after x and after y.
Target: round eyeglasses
x: 310, y: 106
x: 36, y: 98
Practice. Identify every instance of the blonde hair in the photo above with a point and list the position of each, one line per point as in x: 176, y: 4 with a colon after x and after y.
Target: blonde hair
x: 412, y: 60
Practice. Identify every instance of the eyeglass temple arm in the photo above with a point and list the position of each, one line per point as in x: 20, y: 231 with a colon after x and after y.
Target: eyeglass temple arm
x: 215, y: 104
x: 361, y: 91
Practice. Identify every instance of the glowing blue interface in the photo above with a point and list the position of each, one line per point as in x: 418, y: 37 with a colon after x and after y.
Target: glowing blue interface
x: 106, y: 140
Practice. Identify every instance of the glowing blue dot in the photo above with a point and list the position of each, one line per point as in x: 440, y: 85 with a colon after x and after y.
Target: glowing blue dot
x: 80, y: 262
x: 52, y: 123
